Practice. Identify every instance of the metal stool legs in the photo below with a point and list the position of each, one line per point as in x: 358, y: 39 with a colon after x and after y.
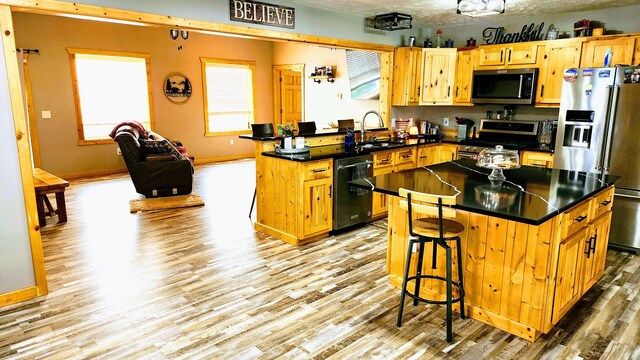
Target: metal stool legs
x: 255, y: 192
x: 448, y: 280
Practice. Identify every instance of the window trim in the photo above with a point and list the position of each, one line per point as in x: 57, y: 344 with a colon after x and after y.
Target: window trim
x: 76, y: 93
x: 204, y: 61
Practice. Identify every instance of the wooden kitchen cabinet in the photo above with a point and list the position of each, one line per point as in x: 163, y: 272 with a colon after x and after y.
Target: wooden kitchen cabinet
x: 406, y: 76
x: 567, y: 290
x: 382, y: 164
x: 465, y: 60
x: 448, y: 152
x: 405, y: 159
x: 596, y: 250
x: 514, y: 54
x: 558, y: 56
x: 428, y: 154
x: 317, y: 206
x: 438, y: 72
x: 622, y: 48
x: 537, y: 159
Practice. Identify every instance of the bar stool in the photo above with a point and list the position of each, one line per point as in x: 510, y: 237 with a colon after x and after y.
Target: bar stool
x: 438, y: 231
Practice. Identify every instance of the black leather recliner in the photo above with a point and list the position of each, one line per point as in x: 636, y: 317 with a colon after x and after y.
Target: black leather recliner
x: 153, y: 176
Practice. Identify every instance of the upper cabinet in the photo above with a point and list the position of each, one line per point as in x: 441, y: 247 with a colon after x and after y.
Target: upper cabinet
x: 464, y: 75
x: 508, y: 54
x: 438, y: 76
x: 558, y: 56
x: 622, y: 51
x: 406, y: 76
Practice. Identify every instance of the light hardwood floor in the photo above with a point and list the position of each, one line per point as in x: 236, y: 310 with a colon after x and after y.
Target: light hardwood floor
x: 200, y: 283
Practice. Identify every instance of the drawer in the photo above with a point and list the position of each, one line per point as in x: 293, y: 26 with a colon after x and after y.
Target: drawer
x: 316, y: 170
x: 602, y: 203
x: 405, y: 159
x: 382, y: 158
x: 575, y: 219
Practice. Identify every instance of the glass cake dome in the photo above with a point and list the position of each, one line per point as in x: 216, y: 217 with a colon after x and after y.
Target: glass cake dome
x: 498, y: 159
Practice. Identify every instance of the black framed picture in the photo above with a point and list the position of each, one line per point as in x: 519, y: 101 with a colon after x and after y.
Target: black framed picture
x: 177, y: 88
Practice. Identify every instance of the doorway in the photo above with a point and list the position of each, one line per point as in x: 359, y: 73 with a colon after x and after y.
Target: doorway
x: 288, y: 94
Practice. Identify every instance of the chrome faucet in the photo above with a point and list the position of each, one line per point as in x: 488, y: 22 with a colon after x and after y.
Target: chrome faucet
x: 362, y: 124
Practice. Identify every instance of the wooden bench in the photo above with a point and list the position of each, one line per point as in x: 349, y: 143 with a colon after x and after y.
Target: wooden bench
x: 44, y: 184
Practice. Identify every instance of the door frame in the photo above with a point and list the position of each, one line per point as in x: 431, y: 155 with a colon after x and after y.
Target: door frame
x: 277, y: 95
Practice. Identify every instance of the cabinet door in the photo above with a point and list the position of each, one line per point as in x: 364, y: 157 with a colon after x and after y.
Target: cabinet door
x: 317, y: 211
x: 464, y: 76
x: 594, y: 51
x: 427, y: 155
x: 380, y: 204
x: 537, y: 159
x: 522, y: 54
x: 596, y: 250
x: 568, y: 280
x: 406, y: 76
x: 438, y: 75
x: 447, y: 152
x: 557, y: 59
x: 491, y: 55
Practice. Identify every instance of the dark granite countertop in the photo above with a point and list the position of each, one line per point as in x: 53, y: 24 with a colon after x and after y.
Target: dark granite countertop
x: 319, y: 132
x: 530, y: 195
x: 339, y: 151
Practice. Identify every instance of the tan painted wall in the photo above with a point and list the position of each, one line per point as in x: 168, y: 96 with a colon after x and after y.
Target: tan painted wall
x: 52, y: 87
x: 322, y: 101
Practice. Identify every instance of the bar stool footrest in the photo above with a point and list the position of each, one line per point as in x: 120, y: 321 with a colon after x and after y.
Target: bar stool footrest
x: 435, y: 277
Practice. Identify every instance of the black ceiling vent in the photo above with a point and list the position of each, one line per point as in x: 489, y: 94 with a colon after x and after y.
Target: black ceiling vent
x: 392, y: 21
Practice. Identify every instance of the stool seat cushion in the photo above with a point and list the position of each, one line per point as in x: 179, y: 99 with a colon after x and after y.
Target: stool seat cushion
x: 430, y: 227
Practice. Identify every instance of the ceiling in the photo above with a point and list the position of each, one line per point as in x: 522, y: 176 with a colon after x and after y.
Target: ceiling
x: 443, y: 12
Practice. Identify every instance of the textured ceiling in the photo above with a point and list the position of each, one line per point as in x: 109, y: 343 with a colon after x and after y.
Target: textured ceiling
x: 443, y: 12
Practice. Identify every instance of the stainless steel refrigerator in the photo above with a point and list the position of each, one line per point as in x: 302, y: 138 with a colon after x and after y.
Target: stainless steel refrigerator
x: 598, y: 131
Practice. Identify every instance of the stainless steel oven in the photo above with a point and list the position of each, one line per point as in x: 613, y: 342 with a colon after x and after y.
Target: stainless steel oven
x: 351, y: 205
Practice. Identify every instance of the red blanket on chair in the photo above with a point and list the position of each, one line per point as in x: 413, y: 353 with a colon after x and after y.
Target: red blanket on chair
x: 134, y: 124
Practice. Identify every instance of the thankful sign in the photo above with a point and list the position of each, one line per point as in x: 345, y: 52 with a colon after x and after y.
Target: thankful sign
x: 496, y: 35
x: 256, y: 12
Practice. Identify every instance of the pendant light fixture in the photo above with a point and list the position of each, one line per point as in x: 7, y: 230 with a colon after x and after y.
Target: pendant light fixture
x: 476, y: 8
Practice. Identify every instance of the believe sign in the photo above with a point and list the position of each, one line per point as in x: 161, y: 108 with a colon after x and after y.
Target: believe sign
x: 256, y: 12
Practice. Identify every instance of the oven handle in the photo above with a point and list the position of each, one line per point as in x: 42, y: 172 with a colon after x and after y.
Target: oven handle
x: 520, y: 87
x: 368, y: 162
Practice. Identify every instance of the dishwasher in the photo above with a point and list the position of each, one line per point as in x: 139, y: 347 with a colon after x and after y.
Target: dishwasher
x: 351, y: 205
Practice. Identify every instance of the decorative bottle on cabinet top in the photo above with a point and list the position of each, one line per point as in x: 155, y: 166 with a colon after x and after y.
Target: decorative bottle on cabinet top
x: 438, y: 38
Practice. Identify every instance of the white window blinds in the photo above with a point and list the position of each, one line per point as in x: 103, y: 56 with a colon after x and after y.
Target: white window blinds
x: 229, y: 96
x: 110, y: 90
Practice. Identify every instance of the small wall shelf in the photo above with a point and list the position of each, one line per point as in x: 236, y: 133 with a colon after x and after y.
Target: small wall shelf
x: 326, y: 72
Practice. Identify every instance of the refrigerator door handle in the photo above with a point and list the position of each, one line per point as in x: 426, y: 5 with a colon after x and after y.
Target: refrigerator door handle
x: 628, y: 196
x: 609, y: 129
x: 600, y: 158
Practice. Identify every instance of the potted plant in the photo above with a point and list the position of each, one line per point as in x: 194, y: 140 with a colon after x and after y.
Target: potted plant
x: 286, y: 131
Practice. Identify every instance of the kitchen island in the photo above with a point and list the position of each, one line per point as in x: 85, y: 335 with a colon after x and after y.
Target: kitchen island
x: 532, y: 245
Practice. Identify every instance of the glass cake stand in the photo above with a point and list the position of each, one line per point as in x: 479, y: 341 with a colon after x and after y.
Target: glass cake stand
x: 497, y: 160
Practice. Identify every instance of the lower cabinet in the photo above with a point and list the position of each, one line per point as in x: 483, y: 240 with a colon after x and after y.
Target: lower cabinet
x: 537, y: 159
x: 581, y: 256
x: 317, y: 206
x: 568, y: 279
x: 448, y: 152
x: 427, y: 155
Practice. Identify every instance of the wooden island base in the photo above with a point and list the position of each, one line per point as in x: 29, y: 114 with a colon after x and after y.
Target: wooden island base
x: 518, y: 277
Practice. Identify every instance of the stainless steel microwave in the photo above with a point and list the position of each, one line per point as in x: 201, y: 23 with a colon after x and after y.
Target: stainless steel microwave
x: 508, y: 86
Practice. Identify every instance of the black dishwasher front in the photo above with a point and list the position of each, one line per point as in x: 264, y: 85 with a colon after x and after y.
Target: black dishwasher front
x: 351, y: 205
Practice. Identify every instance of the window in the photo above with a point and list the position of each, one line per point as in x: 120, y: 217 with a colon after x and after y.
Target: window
x: 229, y: 88
x: 109, y: 87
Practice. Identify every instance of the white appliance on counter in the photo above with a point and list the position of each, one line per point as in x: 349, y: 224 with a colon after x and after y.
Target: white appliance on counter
x: 598, y: 130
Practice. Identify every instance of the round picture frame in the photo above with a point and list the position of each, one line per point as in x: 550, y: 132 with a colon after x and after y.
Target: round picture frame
x: 177, y: 88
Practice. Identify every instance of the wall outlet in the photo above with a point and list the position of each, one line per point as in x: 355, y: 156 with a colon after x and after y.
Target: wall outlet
x: 445, y: 122
x: 46, y: 114
x: 230, y: 141
x: 118, y: 151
